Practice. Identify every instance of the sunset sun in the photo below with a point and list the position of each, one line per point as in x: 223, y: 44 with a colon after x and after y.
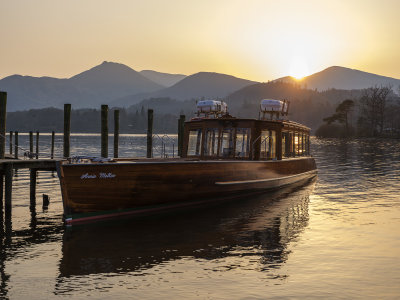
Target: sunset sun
x: 298, y: 67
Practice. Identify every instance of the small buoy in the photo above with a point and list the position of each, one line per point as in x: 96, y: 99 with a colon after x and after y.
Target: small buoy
x: 46, y: 201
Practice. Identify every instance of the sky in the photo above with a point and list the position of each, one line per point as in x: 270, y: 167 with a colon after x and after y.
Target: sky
x: 257, y: 40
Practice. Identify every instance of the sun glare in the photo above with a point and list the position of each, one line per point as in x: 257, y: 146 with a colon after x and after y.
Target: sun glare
x: 298, y: 67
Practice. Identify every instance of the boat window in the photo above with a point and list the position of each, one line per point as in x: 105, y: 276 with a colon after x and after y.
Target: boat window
x: 296, y: 143
x: 227, y: 142
x: 194, y: 142
x: 242, y: 142
x: 211, y: 142
x: 284, y: 143
x: 268, y: 144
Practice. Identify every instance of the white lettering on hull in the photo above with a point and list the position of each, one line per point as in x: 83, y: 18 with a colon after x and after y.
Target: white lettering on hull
x: 107, y: 175
x: 100, y: 175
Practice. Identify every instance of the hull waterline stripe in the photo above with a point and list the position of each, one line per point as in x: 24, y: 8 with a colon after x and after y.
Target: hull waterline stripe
x: 263, y: 180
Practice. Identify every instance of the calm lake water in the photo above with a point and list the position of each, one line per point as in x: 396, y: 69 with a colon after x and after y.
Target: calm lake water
x: 336, y: 237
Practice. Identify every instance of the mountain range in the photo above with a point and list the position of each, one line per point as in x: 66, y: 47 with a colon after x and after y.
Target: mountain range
x: 120, y: 86
x: 343, y: 79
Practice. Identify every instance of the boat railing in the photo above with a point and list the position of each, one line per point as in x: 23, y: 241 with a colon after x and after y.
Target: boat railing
x: 166, y: 145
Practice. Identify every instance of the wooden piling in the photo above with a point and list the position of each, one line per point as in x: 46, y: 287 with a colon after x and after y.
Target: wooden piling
x: 8, y: 172
x: 1, y: 198
x: 149, y: 133
x: 3, y: 115
x: 52, y: 144
x: 11, y: 142
x: 116, y: 132
x: 67, y: 129
x: 32, y: 181
x: 37, y: 144
x: 31, y: 142
x: 181, y: 124
x: 104, y: 131
x: 16, y: 145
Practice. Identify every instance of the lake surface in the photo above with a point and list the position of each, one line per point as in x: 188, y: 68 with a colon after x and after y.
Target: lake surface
x: 337, y: 237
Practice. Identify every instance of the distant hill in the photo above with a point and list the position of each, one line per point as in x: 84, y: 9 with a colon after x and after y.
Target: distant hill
x: 114, y: 80
x: 204, y: 84
x: 26, y: 92
x: 99, y: 85
x: 344, y: 79
x: 306, y: 106
x: 196, y: 86
x: 164, y: 79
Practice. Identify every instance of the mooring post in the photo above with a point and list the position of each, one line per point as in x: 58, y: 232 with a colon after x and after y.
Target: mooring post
x: 104, y: 131
x: 1, y: 199
x: 31, y: 142
x: 37, y: 144
x: 67, y: 129
x: 116, y: 132
x: 52, y: 144
x: 181, y: 124
x: 149, y: 133
x: 16, y: 145
x: 33, y: 174
x: 8, y: 188
x: 3, y: 115
x: 11, y: 142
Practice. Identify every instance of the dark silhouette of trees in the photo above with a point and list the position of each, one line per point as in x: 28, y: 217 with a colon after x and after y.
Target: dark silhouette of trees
x: 373, y: 103
x: 343, y: 110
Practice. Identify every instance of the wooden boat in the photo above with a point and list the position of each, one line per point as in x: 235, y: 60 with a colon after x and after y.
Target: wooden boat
x: 222, y: 158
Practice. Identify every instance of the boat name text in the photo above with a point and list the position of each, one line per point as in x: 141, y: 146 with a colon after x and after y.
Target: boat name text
x: 100, y: 175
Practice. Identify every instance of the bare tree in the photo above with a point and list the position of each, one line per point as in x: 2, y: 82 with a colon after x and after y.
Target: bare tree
x: 372, y: 109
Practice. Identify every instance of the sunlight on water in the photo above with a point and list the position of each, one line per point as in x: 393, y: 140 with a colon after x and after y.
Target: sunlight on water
x: 337, y: 237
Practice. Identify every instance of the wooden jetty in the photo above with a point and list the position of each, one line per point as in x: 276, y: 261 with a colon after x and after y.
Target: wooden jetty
x: 7, y: 167
x: 11, y: 163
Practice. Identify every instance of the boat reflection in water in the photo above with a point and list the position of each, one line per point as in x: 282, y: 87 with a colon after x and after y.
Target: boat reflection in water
x: 266, y: 224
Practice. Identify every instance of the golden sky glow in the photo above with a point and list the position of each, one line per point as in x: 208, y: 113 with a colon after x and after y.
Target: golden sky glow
x: 259, y: 40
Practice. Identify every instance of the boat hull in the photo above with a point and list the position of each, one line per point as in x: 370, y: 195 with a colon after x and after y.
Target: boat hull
x: 106, y: 190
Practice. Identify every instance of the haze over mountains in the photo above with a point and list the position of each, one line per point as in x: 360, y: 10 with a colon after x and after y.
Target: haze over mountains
x: 343, y: 79
x: 119, y: 85
x: 164, y: 79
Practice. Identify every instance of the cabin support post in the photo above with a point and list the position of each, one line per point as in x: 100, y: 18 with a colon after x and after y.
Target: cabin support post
x: 293, y: 143
x: 16, y: 145
x: 104, y: 130
x: 33, y: 175
x: 149, y: 133
x: 52, y: 145
x: 37, y: 144
x: 67, y: 129
x: 181, y: 126
x: 11, y: 142
x: 8, y: 189
x: 3, y: 115
x: 279, y: 144
x: 116, y: 132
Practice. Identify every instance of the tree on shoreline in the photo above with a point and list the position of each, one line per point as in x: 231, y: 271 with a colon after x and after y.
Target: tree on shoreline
x: 372, y: 110
x: 341, y: 116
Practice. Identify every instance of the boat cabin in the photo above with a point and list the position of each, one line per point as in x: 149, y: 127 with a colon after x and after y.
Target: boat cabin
x: 214, y: 135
